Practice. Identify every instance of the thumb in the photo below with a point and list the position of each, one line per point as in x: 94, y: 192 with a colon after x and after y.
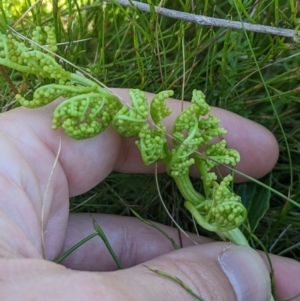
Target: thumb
x: 214, y: 271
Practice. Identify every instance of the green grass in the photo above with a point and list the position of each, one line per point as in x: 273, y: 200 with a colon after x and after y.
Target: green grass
x: 254, y: 75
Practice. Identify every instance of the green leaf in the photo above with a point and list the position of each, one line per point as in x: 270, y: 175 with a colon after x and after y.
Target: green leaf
x: 256, y: 199
x: 3, y: 23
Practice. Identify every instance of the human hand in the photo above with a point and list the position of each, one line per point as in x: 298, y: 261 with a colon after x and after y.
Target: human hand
x: 31, y: 204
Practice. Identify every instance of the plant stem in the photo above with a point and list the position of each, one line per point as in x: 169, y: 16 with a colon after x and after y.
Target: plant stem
x: 87, y: 82
x: 187, y: 189
x: 8, y: 80
x: 76, y: 246
x: 236, y: 236
x: 107, y: 244
x: 208, y: 21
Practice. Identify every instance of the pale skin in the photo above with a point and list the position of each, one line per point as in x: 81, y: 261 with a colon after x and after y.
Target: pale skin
x: 29, y: 148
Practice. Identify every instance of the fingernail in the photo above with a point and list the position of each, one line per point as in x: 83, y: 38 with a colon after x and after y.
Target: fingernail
x: 246, y: 272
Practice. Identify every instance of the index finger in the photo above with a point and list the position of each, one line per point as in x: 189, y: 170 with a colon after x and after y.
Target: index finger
x: 87, y: 162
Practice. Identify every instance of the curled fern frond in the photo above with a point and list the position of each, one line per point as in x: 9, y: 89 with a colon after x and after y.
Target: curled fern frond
x: 218, y: 153
x: 87, y: 115
x: 222, y: 211
x: 48, y: 93
x: 158, y: 108
x: 16, y: 55
x: 129, y: 121
x: 151, y: 144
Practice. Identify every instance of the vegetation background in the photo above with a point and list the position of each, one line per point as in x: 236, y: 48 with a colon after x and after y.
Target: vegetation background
x: 253, y: 74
